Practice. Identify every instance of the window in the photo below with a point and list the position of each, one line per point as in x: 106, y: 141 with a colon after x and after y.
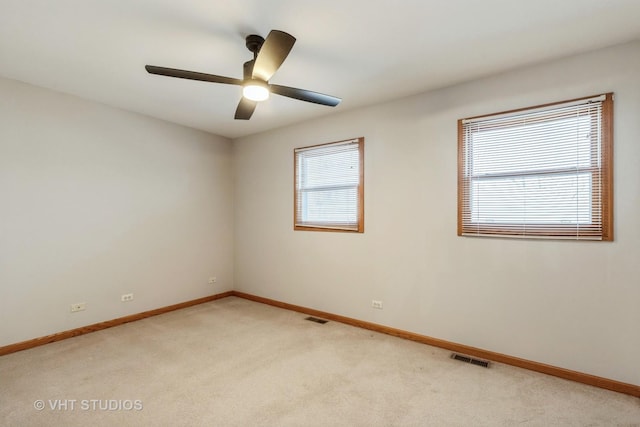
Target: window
x: 538, y: 172
x: 329, y: 187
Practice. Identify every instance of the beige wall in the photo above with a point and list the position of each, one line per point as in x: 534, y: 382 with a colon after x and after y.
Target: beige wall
x: 96, y: 202
x: 570, y: 304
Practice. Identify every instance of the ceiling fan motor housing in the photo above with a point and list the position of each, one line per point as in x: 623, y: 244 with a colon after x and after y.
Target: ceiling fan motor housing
x: 254, y: 43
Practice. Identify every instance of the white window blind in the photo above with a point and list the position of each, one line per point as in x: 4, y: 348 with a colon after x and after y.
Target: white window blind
x: 328, y: 186
x: 539, y: 172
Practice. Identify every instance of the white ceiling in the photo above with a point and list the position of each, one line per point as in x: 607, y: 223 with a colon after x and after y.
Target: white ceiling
x: 364, y: 51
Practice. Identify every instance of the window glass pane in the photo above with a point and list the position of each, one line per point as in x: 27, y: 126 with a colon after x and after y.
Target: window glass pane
x: 330, y: 206
x: 543, y: 199
x: 552, y: 144
x: 330, y: 170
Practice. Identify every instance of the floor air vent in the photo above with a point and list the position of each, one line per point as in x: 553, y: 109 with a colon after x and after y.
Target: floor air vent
x: 473, y: 361
x: 315, y: 319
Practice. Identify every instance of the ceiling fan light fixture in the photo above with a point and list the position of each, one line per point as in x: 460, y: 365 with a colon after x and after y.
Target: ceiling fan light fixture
x: 255, y: 90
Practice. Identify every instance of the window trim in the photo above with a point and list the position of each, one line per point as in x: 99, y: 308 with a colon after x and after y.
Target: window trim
x: 360, y: 199
x: 606, y: 170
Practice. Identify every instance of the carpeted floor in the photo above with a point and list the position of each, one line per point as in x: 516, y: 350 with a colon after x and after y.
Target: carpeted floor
x: 234, y: 362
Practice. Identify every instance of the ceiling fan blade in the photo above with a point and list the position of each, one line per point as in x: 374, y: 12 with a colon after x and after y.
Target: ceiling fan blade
x: 272, y: 54
x: 305, y: 95
x: 245, y: 109
x: 191, y: 75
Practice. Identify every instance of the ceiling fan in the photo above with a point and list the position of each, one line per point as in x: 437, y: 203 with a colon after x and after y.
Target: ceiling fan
x: 268, y: 56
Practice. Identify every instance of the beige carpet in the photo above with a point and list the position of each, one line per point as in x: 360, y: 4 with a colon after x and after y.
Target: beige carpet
x: 233, y: 362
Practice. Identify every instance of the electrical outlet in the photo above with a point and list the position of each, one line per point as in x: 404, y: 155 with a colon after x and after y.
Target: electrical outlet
x: 376, y: 304
x: 212, y: 280
x: 126, y: 297
x: 79, y: 306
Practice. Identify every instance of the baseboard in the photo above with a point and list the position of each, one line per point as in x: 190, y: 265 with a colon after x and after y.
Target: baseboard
x: 24, y: 345
x: 580, y: 377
